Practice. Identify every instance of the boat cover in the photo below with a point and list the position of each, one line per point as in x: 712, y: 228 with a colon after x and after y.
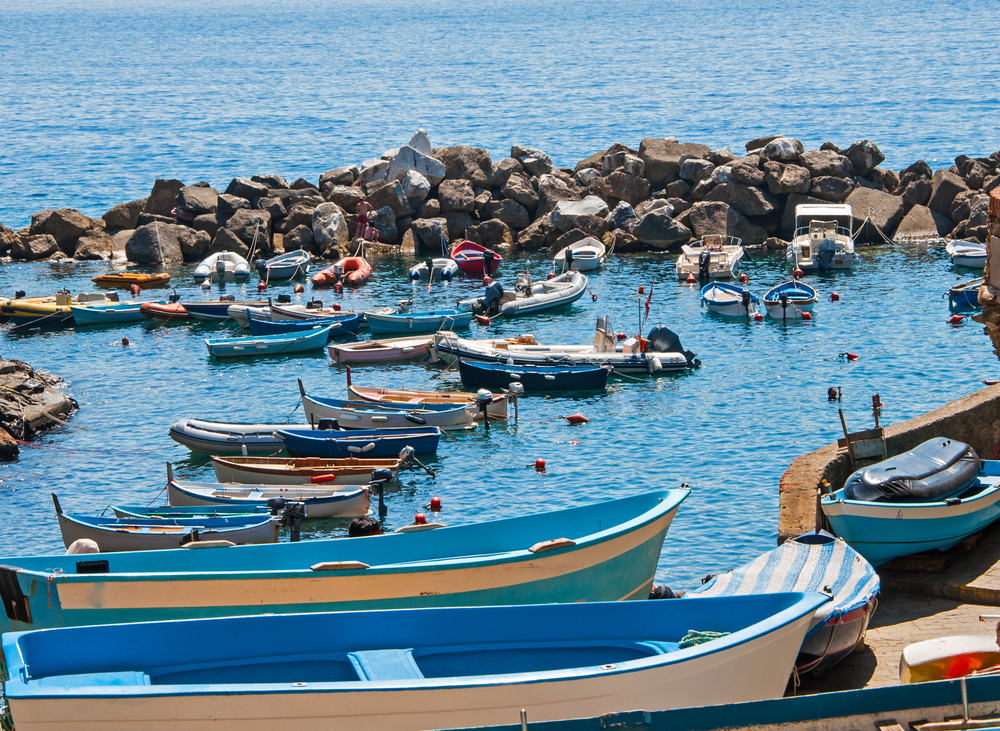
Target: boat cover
x: 935, y: 470
x: 813, y: 562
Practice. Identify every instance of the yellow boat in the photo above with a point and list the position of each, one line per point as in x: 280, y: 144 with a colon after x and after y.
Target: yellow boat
x: 44, y: 311
x: 125, y: 280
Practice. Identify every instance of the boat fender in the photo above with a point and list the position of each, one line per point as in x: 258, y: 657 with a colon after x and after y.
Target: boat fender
x: 322, y: 479
x: 482, y: 320
x: 657, y: 364
x: 649, y: 366
x: 416, y: 419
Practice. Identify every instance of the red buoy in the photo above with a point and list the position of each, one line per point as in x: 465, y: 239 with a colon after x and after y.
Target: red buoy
x: 834, y: 297
x: 419, y: 519
x: 336, y: 307
x: 321, y: 479
x: 576, y: 419
x: 338, y: 288
x: 550, y: 275
x: 807, y: 316
x: 758, y: 317
x: 798, y: 273
x: 622, y: 336
x: 540, y: 464
x: 642, y: 290
x: 482, y: 320
x: 487, y: 280
x: 435, y: 504
x: 298, y: 289
x: 575, y: 441
x: 593, y: 297
x: 691, y: 279
x: 956, y: 320
x: 261, y: 286
x: 135, y: 289
x: 850, y: 356
x: 744, y: 279
x: 125, y: 341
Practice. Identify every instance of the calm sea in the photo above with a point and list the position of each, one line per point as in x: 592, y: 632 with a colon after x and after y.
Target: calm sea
x: 99, y: 98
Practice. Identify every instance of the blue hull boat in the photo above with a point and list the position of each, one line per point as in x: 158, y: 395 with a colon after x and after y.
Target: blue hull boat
x: 965, y: 296
x: 417, y: 323
x: 284, y: 344
x: 109, y: 315
x: 544, y: 379
x: 897, y: 525
x: 727, y: 299
x: 602, y: 552
x: 422, y: 669
x: 213, y: 310
x: 340, y: 326
x: 788, y: 301
x: 371, y: 443
x: 185, y: 511
x: 813, y: 562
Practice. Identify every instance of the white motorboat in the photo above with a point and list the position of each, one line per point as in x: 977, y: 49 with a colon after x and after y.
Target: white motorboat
x: 528, y: 297
x: 823, y: 237
x: 713, y: 257
x: 222, y: 266
x: 585, y: 255
x: 966, y: 254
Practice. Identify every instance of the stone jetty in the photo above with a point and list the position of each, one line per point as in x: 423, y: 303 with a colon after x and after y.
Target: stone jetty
x: 30, y: 401
x: 653, y: 198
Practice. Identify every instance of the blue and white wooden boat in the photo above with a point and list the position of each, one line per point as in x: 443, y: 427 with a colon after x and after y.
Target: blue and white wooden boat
x: 299, y: 471
x: 318, y: 501
x: 601, y: 552
x: 372, y: 415
x: 359, y: 442
x: 184, y: 511
x: 585, y: 255
x: 928, y: 498
x: 217, y: 310
x: 415, y: 323
x: 111, y: 314
x: 544, y: 379
x: 220, y: 437
x: 965, y: 254
x: 813, y: 562
x: 149, y: 534
x: 284, y: 267
x: 789, y: 300
x: 340, y: 326
x: 422, y: 669
x: 443, y: 269
x: 281, y: 344
x: 727, y: 299
x: 965, y: 296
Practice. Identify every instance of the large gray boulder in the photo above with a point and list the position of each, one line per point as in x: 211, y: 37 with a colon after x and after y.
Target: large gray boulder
x: 748, y: 174
x: 534, y: 160
x: 662, y: 157
x: 832, y: 189
x: 783, y: 179
x: 66, y: 226
x: 711, y: 217
x: 345, y: 196
x: 882, y: 209
x: 503, y: 169
x: 945, y: 185
x: 31, y: 247
x: 430, y: 234
x: 695, y: 169
x: 271, y: 181
x: 198, y: 199
x: 95, y: 246
x: 456, y: 195
x: 210, y: 223
x: 252, y: 226
x: 383, y: 220
x: 421, y: 142
x: 565, y: 212
x: 464, y: 162
x: 916, y: 171
x: 416, y: 188
x: 329, y: 227
x: 780, y: 149
x: 274, y: 206
x: 923, y: 223
x: 248, y: 189
x: 193, y: 243
x: 301, y: 237
x: 373, y: 170
x: 226, y: 240
x: 458, y: 223
x: 623, y: 217
x: 621, y: 186
x: 493, y: 234
x: 299, y: 215
x: 746, y: 199
x: 393, y: 196
x: 510, y: 212
x: 659, y: 231
x: 864, y: 156
x: 540, y: 233
x: 124, y: 215
x: 411, y: 159
x: 154, y: 244
x: 339, y: 176
x: 552, y: 189
x: 163, y: 198
x: 916, y: 193
x: 826, y: 162
x: 231, y: 203
x: 520, y: 189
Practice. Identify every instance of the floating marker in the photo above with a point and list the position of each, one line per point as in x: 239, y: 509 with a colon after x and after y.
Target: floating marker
x: 550, y: 275
x: 298, y: 289
x: 540, y: 465
x: 807, y: 316
x: 435, y: 504
x: 482, y: 320
x: 338, y: 288
x: 691, y: 279
x: 744, y: 279
x: 577, y: 419
x: 642, y: 290
x: 419, y: 519
x: 849, y: 356
x: 956, y: 319
x: 336, y: 307
x: 593, y: 297
x: 261, y: 286
x: 575, y: 441
x: 834, y: 297
x: 622, y: 336
x: 487, y: 280
x: 798, y: 273
x: 758, y: 317
x: 135, y: 289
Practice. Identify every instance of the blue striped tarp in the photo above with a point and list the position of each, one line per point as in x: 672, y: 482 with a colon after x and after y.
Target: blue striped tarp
x: 829, y: 567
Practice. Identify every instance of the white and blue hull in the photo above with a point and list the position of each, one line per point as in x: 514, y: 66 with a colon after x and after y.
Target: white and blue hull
x: 972, y: 256
x: 726, y: 299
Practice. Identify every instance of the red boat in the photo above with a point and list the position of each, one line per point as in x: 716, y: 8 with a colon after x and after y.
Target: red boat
x: 351, y: 270
x: 173, y: 312
x: 471, y: 258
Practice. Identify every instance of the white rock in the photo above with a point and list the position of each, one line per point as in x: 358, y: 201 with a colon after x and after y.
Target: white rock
x: 586, y: 175
x: 421, y: 142
x: 409, y: 158
x: 416, y: 188
x: 723, y: 174
x: 389, y: 154
x: 782, y: 149
x: 329, y: 225
x: 565, y: 211
x: 373, y: 170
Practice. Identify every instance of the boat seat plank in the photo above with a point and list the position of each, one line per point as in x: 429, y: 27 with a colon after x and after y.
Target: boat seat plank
x: 385, y: 665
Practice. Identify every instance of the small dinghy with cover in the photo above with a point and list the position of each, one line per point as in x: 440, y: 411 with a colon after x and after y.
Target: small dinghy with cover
x: 928, y: 498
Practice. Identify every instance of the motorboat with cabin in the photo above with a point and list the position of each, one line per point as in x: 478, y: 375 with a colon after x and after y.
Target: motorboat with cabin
x: 713, y: 257
x: 824, y: 237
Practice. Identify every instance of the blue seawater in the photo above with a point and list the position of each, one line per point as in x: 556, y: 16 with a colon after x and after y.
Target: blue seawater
x: 101, y: 97
x: 728, y: 429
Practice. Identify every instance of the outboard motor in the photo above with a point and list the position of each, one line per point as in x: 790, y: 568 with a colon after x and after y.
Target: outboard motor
x: 489, y: 303
x: 745, y: 301
x: 377, y: 484
x: 276, y: 505
x: 220, y: 268
x: 824, y: 254
x: 284, y: 299
x: 783, y: 301
x: 20, y: 294
x: 569, y: 259
x: 704, y: 261
x: 261, y: 268
x: 314, y: 304
x: 489, y: 257
x: 291, y: 517
x: 174, y: 297
x: 662, y: 339
x: 429, y: 263
x: 328, y: 425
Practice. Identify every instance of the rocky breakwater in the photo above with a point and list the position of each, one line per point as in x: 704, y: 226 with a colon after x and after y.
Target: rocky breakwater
x: 30, y: 401
x: 656, y: 198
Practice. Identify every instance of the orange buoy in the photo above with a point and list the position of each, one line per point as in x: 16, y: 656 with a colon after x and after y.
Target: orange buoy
x: 338, y: 288
x: 419, y: 519
x: 298, y: 289
x: 744, y: 279
x: 261, y: 286
x: 321, y: 479
x: 956, y: 320
x: 487, y: 280
x: 622, y: 336
x: 691, y: 279
x: 807, y: 316
x: 435, y: 504
x: 798, y: 273
x: 642, y: 290
x: 482, y: 320
x: 575, y: 441
x: 576, y: 419
x: 834, y: 297
x: 540, y: 464
x: 758, y: 317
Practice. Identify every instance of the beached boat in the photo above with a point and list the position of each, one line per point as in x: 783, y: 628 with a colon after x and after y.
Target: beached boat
x: 497, y: 408
x: 606, y: 551
x: 947, y: 658
x: 282, y: 344
x: 475, y: 259
x: 339, y: 326
x: 815, y: 561
x: 108, y: 314
x: 318, y: 501
x: 423, y: 669
x: 731, y: 300
x: 222, y: 266
x: 789, y: 300
x: 443, y: 269
x: 713, y: 257
x: 823, y: 238
x: 383, y: 350
x: 965, y: 296
x: 371, y: 415
x: 414, y: 323
x: 350, y: 271
x: 219, y: 437
x: 528, y: 296
x: 544, y: 379
x: 359, y: 442
x: 661, y: 351
x: 52, y: 311
x: 585, y: 255
x: 165, y: 312
x: 928, y: 498
x: 299, y: 470
x: 965, y: 254
x: 125, y: 280
x: 217, y: 310
x: 284, y: 267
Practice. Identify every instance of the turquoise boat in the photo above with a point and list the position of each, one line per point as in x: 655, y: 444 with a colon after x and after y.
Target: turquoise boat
x: 416, y: 323
x: 281, y: 344
x: 607, y: 551
x: 109, y: 314
x: 407, y: 669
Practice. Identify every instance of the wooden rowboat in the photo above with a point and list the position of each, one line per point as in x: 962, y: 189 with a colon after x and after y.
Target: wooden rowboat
x: 497, y: 408
x: 385, y: 350
x: 281, y: 344
x: 125, y: 280
x: 318, y: 501
x: 359, y: 442
x: 299, y: 470
x: 471, y: 258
